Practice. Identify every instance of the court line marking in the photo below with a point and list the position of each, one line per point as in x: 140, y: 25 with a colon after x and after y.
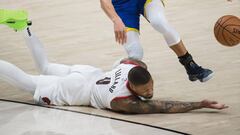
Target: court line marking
x: 128, y: 121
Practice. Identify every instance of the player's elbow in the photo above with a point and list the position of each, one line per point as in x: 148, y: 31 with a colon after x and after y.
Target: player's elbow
x: 128, y: 108
x: 123, y: 107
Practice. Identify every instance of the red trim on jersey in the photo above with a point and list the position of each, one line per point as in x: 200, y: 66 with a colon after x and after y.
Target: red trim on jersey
x: 130, y: 62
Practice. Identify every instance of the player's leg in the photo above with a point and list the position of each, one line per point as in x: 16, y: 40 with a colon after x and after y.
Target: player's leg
x: 133, y: 46
x: 154, y: 12
x: 18, y: 20
x: 17, y: 78
x: 128, y: 12
x: 40, y: 57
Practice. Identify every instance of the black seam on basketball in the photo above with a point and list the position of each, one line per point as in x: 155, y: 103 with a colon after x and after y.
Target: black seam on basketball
x: 218, y: 22
x: 218, y: 30
x: 216, y: 25
x: 234, y: 24
x: 230, y: 31
x: 224, y: 21
x: 228, y: 19
x: 227, y: 43
x: 224, y: 38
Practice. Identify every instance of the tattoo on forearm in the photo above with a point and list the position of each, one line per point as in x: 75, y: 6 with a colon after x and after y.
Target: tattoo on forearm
x: 176, y: 107
x: 133, y: 105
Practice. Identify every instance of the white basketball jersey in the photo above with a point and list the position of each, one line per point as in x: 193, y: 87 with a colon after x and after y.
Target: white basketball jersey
x: 111, y: 85
x: 73, y: 89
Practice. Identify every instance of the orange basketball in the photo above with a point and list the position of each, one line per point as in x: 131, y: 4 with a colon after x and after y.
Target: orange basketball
x: 227, y: 30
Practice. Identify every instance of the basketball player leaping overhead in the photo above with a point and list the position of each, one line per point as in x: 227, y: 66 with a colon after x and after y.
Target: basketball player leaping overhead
x: 127, y: 88
x: 125, y: 16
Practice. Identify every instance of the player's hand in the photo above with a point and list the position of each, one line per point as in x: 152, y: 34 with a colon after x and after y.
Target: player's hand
x: 120, y: 31
x: 213, y: 105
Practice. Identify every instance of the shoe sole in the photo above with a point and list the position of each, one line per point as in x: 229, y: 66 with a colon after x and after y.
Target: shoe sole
x: 207, y: 78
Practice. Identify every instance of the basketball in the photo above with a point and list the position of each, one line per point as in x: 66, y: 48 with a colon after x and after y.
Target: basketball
x: 227, y: 30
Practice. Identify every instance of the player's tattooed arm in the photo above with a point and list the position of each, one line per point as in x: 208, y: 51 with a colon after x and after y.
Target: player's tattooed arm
x: 134, y: 105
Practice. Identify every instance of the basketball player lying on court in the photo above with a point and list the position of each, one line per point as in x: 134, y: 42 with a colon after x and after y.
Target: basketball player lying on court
x: 127, y: 88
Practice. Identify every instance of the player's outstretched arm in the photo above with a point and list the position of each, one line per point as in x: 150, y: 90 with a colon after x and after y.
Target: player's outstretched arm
x: 136, y: 106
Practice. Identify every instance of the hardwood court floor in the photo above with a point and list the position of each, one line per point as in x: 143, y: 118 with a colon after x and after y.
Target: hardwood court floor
x: 78, y: 32
x: 34, y: 120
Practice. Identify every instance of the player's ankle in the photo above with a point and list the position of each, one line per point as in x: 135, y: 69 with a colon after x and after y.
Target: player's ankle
x: 185, y: 59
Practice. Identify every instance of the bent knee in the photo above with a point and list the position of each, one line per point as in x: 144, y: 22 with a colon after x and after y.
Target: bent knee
x: 160, y: 24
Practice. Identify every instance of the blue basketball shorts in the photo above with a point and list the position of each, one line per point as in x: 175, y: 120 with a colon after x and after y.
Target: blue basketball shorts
x: 129, y: 11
